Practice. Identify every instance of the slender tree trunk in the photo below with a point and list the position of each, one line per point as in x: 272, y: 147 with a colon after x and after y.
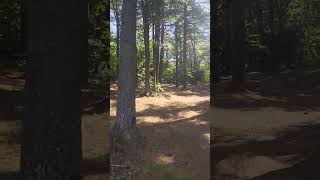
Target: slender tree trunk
x: 161, y: 52
x: 157, y: 21
x: 194, y: 56
x: 181, y: 58
x: 238, y: 46
x: 146, y: 26
x: 124, y: 132
x: 176, y: 52
x: 57, y: 69
x: 107, y: 42
x: 184, y: 63
x: 117, y: 15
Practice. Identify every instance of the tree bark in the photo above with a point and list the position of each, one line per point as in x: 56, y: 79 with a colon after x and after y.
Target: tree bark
x: 177, y: 52
x: 161, y: 52
x: 124, y: 132
x: 184, y: 62
x: 146, y: 26
x: 57, y: 43
x: 116, y: 9
x: 156, y: 47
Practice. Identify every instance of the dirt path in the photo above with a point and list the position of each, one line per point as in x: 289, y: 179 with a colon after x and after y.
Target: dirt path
x: 259, y: 137
x: 175, y: 132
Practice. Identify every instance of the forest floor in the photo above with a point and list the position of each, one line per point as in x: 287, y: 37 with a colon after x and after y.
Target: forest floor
x: 175, y: 134
x: 94, y: 128
x: 268, y: 132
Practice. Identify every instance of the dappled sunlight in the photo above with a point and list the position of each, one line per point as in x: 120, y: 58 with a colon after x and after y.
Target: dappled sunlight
x: 164, y: 159
x: 150, y: 120
x: 174, y: 129
x: 206, y: 136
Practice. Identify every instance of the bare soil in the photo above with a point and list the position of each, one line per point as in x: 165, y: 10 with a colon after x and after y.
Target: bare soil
x: 269, y: 132
x: 175, y: 134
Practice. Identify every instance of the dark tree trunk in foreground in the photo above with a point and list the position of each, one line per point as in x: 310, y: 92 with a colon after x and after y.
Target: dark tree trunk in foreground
x: 215, y: 56
x: 124, y: 127
x: 57, y: 66
x: 146, y: 26
x: 238, y: 46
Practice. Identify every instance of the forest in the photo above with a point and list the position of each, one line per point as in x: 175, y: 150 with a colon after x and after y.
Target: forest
x: 160, y: 73
x: 265, y: 89
x: 172, y: 43
x: 159, y: 89
x: 266, y: 36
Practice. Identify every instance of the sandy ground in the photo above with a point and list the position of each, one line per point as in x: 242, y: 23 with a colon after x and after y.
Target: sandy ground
x: 258, y: 137
x: 175, y: 134
x: 94, y: 132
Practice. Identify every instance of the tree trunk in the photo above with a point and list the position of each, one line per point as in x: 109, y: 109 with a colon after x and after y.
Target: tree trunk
x: 124, y: 132
x: 161, y: 52
x: 57, y: 66
x: 154, y: 56
x: 157, y: 21
x: 238, y: 46
x: 181, y: 58
x: 194, y: 70
x: 216, y: 54
x: 146, y: 26
x: 184, y: 62
x: 116, y: 9
x: 117, y: 15
x: 177, y: 52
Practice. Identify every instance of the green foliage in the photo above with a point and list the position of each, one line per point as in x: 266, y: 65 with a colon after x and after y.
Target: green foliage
x: 169, y: 71
x: 303, y: 16
x: 99, y: 34
x: 205, y: 71
x: 113, y: 59
x: 158, y: 89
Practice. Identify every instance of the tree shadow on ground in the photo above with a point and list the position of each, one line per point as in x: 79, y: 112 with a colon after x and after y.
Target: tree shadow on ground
x: 302, y: 141
x: 200, y: 90
x: 173, y: 110
x: 178, y: 138
x: 9, y: 175
x: 98, y: 165
x: 292, y: 91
